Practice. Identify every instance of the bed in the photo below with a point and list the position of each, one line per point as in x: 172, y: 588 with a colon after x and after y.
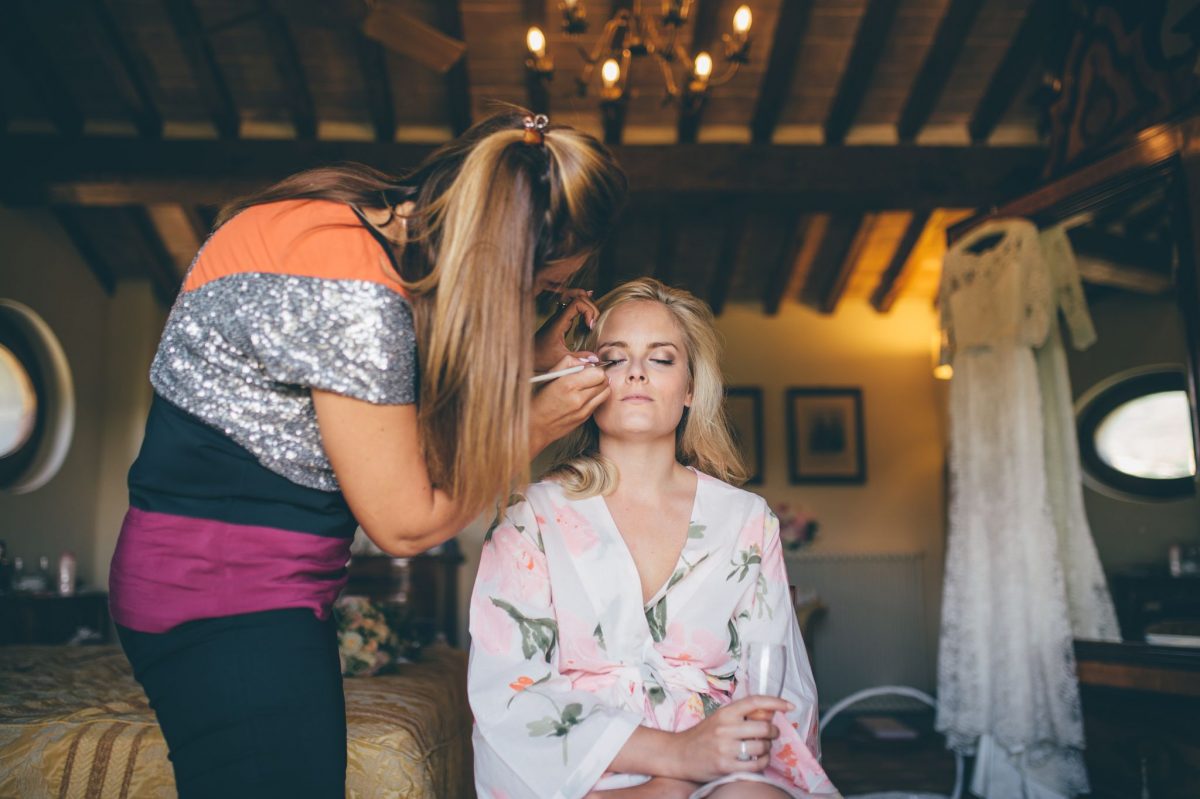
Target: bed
x: 74, y: 723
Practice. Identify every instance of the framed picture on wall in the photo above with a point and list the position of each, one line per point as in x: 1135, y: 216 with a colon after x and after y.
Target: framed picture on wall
x: 745, y: 408
x: 826, y: 441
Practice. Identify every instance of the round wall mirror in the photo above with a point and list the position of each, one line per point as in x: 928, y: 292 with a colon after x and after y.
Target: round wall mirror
x: 37, y: 400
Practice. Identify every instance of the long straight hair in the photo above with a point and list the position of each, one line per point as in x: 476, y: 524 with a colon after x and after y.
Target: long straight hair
x: 490, y: 211
x: 702, y: 439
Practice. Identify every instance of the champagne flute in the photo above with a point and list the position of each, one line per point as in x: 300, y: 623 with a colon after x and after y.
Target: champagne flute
x: 764, y: 666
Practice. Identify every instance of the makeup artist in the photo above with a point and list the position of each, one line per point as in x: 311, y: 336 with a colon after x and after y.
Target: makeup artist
x: 348, y: 348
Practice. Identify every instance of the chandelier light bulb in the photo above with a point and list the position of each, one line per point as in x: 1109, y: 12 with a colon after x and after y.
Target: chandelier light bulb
x: 703, y: 66
x: 570, y: 4
x: 535, y: 40
x: 610, y: 73
x: 742, y: 19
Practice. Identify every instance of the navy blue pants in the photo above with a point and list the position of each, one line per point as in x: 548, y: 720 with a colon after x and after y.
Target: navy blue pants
x: 250, y: 705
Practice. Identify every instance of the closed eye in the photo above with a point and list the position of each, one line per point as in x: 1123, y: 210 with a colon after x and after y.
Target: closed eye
x: 614, y: 362
x: 662, y: 361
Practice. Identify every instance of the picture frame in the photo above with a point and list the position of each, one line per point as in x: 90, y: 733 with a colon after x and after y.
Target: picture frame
x: 826, y: 437
x: 744, y: 408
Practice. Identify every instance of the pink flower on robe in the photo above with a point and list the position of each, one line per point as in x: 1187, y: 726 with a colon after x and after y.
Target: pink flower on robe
x: 518, y: 567
x: 577, y: 534
x: 491, y: 628
x: 751, y: 534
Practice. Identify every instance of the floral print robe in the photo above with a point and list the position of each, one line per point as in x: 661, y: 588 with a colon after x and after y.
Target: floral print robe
x: 566, y: 661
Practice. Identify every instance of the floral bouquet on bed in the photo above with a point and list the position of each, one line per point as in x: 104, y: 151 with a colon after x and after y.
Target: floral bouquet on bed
x: 367, y: 641
x: 797, y: 527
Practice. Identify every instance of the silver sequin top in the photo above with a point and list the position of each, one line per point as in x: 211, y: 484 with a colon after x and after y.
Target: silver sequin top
x: 242, y: 351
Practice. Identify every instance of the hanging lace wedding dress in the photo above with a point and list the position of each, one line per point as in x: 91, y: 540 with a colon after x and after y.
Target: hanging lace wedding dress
x: 1006, y: 668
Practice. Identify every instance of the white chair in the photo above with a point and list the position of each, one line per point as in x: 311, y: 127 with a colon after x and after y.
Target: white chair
x: 896, y: 690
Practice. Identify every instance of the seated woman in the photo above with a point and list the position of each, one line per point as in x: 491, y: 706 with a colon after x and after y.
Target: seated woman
x: 614, y: 599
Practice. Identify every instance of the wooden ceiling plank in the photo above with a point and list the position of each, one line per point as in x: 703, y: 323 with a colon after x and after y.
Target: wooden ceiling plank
x: 24, y: 48
x: 691, y: 106
x: 286, y: 59
x: 125, y: 68
x: 458, y: 83
x: 668, y: 245
x: 781, y: 68
x: 868, y: 48
x: 1014, y: 67
x: 727, y: 256
x: 786, y: 263
x: 892, y: 281
x: 835, y: 261
x: 176, y: 229
x: 69, y: 219
x: 939, y: 62
x: 198, y: 52
x: 115, y: 171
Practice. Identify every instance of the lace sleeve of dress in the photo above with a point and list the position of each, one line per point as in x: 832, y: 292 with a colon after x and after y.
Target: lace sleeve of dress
x: 1037, y: 296
x: 1068, y: 287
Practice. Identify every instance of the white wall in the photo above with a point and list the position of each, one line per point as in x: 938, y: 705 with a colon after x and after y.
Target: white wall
x: 108, y: 342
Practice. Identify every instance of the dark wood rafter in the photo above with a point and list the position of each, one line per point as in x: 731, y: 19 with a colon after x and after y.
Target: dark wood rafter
x: 197, y: 51
x: 21, y: 42
x: 458, y: 83
x: 727, y: 256
x: 892, y: 281
x: 1014, y: 67
x: 868, y: 48
x: 835, y: 261
x: 126, y: 70
x: 287, y: 62
x: 69, y: 219
x: 533, y: 13
x: 781, y: 274
x: 606, y: 265
x: 373, y: 64
x: 935, y: 71
x: 781, y: 68
x: 114, y: 171
x: 612, y: 118
x: 667, y: 245
x: 691, y: 105
x: 164, y: 277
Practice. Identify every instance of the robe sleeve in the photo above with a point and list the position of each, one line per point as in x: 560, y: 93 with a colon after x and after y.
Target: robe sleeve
x: 766, y: 615
x: 535, y: 734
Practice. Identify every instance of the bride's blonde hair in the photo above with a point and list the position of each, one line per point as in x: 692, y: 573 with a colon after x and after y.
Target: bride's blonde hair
x: 702, y: 439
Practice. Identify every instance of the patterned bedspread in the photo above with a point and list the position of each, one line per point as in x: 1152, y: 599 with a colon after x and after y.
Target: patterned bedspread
x: 73, y: 723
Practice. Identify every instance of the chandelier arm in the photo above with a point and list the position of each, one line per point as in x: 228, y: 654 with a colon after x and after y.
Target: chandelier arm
x: 730, y: 70
x: 668, y: 77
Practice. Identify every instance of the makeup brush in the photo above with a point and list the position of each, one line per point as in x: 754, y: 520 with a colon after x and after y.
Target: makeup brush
x: 570, y: 370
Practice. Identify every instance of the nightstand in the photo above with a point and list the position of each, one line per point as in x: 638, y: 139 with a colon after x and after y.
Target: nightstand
x: 52, y: 619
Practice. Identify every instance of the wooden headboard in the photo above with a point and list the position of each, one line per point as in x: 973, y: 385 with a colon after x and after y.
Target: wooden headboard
x: 426, y: 585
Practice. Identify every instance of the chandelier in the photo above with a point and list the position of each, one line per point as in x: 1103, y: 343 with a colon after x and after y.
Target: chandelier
x: 633, y: 34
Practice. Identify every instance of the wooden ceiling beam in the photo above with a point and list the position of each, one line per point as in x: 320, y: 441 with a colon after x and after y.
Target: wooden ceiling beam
x: 948, y: 42
x: 785, y: 263
x: 20, y: 41
x: 892, y: 281
x: 287, y: 62
x: 868, y: 48
x: 372, y: 63
x: 69, y: 218
x: 197, y: 51
x: 176, y: 227
x: 164, y: 275
x: 727, y: 256
x: 781, y: 68
x: 458, y: 83
x: 126, y: 70
x: 1010, y: 74
x: 668, y: 245
x: 691, y: 106
x: 115, y: 171
x: 835, y: 261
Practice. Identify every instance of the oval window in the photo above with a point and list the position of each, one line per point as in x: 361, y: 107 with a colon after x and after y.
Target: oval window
x: 18, y: 403
x: 1135, y: 436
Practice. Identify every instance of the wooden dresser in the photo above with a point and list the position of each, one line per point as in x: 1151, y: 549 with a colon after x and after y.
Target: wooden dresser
x: 1141, y: 715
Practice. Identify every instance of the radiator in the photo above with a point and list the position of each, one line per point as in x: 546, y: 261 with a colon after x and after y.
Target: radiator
x: 875, y: 629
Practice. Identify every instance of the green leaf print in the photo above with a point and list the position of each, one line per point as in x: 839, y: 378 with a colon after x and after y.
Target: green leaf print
x: 696, y: 530
x: 487, y: 537
x: 657, y: 619
x: 749, y: 557
x: 598, y: 633
x: 760, y: 597
x: 550, y: 727
x: 735, y: 641
x: 655, y: 693
x: 536, y: 634
x: 710, y: 705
